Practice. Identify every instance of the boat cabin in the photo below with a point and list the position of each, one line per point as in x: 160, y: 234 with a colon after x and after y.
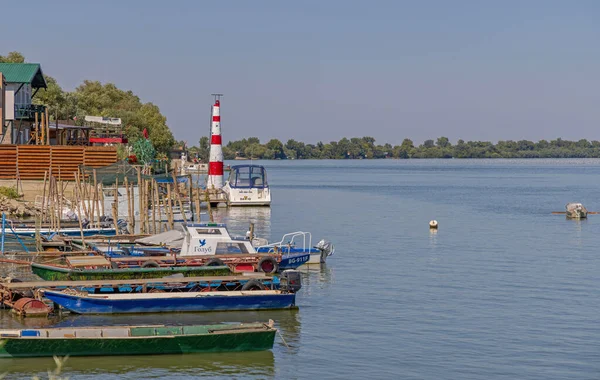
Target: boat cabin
x: 212, y: 239
x: 247, y: 186
x: 248, y: 176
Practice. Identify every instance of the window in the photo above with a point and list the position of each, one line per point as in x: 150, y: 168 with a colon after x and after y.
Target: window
x: 226, y: 248
x: 208, y: 231
x: 248, y: 177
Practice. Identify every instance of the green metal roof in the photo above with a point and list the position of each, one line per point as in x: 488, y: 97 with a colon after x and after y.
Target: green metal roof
x: 23, y: 73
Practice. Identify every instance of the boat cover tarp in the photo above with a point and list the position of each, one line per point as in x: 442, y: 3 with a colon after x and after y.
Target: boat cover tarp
x: 170, y: 239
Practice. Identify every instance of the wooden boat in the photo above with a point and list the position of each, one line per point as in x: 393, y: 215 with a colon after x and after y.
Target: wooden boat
x: 12, y: 291
x: 81, y: 303
x: 576, y: 211
x: 99, y: 268
x: 136, y: 340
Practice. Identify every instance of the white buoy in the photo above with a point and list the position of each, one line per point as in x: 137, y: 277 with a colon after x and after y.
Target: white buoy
x: 433, y: 224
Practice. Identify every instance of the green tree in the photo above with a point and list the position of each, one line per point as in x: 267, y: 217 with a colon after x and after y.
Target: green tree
x: 13, y: 57
x: 204, y: 149
x: 276, y: 148
x: 443, y: 142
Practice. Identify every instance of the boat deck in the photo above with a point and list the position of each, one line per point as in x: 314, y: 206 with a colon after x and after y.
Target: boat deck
x: 112, y: 283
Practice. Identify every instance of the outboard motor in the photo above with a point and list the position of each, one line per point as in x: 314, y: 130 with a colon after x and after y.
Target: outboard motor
x: 291, y: 280
x: 326, y: 248
x: 122, y: 226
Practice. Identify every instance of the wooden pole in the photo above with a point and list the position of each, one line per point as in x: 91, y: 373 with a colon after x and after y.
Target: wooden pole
x: 78, y: 201
x: 197, y: 204
x: 97, y: 200
x: 82, y: 195
x: 140, y: 200
x: 102, y: 199
x: 115, y: 207
x: 115, y: 215
x: 37, y: 128
x: 50, y: 205
x: 151, y: 200
x: 169, y: 208
x: 38, y: 236
x: 48, y: 127
x: 60, y: 203
x: 207, y: 197
x: 132, y: 208
x: 147, y: 193
x: 126, y: 184
x: 154, y: 192
x: 42, y: 133
x: 44, y: 204
x: 157, y: 204
x: 176, y: 188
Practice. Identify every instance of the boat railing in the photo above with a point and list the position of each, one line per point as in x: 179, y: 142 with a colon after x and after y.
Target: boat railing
x: 288, y: 240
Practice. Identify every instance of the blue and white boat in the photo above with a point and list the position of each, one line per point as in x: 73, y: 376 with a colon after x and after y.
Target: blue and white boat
x: 207, y: 244
x: 65, y: 231
x: 120, y: 303
x: 295, y: 243
x: 253, y: 296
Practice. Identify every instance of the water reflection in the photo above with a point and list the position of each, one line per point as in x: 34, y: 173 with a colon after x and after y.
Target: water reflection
x: 257, y: 364
x: 578, y: 227
x: 433, y: 237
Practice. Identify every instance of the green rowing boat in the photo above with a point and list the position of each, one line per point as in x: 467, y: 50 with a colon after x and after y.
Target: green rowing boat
x: 136, y: 340
x: 64, y: 273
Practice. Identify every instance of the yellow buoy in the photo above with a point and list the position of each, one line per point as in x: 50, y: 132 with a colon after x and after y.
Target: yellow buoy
x: 433, y: 224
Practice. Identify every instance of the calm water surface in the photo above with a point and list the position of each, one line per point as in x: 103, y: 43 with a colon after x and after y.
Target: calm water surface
x: 504, y: 289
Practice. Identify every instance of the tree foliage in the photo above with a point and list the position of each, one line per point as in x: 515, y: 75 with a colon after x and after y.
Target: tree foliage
x: 12, y: 57
x: 365, y: 147
x: 97, y: 99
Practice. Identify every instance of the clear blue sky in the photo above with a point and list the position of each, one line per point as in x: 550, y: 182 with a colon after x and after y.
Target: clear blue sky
x: 322, y: 70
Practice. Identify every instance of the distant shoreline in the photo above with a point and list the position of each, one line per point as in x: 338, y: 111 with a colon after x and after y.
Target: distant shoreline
x: 366, y: 148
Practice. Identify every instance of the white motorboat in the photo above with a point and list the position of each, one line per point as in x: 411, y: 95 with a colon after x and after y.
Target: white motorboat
x: 247, y: 186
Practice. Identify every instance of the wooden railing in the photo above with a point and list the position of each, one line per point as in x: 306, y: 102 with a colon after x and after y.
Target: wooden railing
x: 32, y: 161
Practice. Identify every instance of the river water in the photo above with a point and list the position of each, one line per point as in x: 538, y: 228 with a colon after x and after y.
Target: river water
x: 503, y: 290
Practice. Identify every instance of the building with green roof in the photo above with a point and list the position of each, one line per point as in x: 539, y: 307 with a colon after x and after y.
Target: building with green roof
x: 23, y: 81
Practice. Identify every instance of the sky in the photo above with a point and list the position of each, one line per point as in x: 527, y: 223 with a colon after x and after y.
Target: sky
x: 322, y: 70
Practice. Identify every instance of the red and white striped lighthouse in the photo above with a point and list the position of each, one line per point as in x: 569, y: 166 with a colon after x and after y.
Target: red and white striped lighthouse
x: 215, y: 165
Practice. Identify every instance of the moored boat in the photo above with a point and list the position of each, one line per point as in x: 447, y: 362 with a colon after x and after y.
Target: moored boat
x: 99, y: 268
x: 173, y: 302
x: 576, y: 211
x: 136, y: 340
x: 297, y: 243
x: 205, y: 244
x: 247, y: 186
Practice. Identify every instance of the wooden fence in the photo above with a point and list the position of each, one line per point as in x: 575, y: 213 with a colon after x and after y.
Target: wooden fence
x: 32, y: 161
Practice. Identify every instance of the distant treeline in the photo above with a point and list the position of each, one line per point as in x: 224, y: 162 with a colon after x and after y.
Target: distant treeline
x: 365, y: 147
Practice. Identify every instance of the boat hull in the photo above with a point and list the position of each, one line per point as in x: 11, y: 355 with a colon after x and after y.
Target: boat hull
x: 316, y: 258
x: 256, y: 339
x: 54, y: 273
x: 293, y: 261
x: 162, y: 303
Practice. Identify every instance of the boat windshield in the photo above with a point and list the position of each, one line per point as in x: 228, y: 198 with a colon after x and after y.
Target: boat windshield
x: 251, y: 176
